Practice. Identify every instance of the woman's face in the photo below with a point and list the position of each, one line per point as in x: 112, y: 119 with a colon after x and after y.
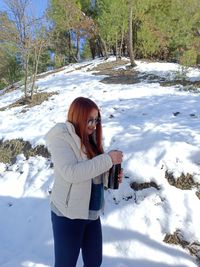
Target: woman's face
x: 92, y: 121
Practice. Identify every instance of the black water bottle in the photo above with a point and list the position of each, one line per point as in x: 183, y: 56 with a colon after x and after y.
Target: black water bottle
x: 113, y: 182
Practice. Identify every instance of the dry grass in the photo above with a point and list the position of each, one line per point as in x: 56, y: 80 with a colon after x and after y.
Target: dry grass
x: 184, y: 182
x: 9, y: 150
x: 177, y: 239
x: 37, y: 99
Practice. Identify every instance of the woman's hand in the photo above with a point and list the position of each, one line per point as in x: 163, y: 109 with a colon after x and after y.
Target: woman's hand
x: 120, y: 176
x: 116, y: 156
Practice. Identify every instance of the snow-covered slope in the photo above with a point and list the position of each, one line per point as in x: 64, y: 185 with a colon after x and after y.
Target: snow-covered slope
x: 156, y: 127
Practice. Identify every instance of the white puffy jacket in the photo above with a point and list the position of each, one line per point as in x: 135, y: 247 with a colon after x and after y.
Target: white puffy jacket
x: 73, y: 171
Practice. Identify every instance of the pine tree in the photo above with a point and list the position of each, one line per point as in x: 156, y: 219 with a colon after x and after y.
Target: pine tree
x: 68, y: 17
x: 168, y: 29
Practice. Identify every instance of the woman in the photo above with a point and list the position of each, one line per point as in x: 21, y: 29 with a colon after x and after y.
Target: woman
x: 80, y: 169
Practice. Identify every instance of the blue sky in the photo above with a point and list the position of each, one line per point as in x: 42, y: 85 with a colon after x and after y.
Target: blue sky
x: 38, y: 6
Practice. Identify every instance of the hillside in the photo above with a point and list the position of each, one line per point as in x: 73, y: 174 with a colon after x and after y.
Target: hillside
x: 149, y: 113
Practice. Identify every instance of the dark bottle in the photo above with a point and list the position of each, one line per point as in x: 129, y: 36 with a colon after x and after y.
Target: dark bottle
x: 113, y: 182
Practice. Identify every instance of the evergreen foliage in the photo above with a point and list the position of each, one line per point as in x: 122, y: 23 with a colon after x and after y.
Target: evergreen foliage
x: 162, y: 30
x: 168, y: 29
x: 10, y: 68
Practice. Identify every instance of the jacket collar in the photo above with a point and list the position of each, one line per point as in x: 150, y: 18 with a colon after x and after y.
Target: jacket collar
x: 76, y: 138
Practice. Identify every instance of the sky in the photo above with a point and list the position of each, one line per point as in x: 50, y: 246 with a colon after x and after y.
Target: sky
x: 38, y: 6
x: 156, y: 127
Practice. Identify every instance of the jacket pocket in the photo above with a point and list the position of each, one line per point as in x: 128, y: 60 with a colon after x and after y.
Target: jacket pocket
x: 68, y: 195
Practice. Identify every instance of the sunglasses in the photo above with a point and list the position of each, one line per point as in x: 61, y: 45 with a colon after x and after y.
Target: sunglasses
x: 92, y: 121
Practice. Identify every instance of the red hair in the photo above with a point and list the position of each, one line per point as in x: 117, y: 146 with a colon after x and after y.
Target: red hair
x: 78, y: 115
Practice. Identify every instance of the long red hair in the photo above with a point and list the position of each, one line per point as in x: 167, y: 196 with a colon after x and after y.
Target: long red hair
x: 78, y: 115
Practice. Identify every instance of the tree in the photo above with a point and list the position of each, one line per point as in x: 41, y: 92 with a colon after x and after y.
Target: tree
x: 130, y: 31
x: 27, y: 36
x: 113, y: 23
x: 10, y: 70
x: 18, y: 8
x: 67, y: 16
x: 39, y: 43
x: 168, y: 29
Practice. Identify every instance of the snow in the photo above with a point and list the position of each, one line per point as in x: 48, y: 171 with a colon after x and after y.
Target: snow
x: 139, y: 119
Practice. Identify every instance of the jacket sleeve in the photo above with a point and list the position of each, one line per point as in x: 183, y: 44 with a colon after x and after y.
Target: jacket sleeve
x: 72, y: 169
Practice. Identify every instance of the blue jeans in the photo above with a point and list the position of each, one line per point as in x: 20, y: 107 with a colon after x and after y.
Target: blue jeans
x: 72, y: 235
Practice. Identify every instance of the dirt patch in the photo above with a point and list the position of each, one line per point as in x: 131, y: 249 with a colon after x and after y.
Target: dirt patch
x: 108, y: 68
x: 140, y: 186
x: 36, y: 100
x: 182, y: 82
x: 122, y: 79
x: 117, y: 72
x: 177, y: 239
x: 10, y: 149
x: 128, y: 75
x: 187, y: 85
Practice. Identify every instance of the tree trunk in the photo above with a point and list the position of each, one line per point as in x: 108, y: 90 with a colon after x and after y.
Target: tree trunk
x: 78, y: 56
x: 33, y: 74
x: 104, y: 48
x: 92, y: 47
x: 26, y: 77
x: 121, y: 42
x: 99, y: 47
x: 116, y: 46
x: 130, y: 28
x: 37, y: 58
x: 69, y: 48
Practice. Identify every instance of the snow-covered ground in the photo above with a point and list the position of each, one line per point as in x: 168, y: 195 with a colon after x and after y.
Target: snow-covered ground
x: 137, y: 119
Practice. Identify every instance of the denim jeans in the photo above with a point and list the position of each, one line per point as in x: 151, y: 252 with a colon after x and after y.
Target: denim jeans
x: 71, y: 235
